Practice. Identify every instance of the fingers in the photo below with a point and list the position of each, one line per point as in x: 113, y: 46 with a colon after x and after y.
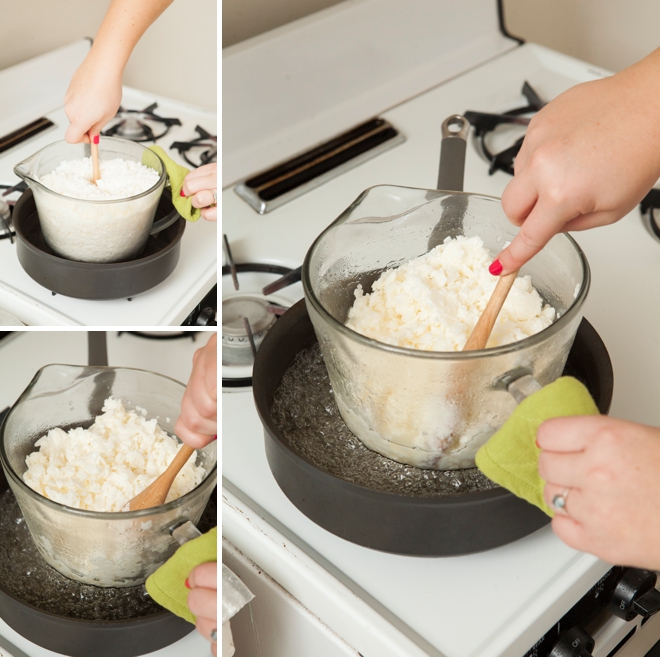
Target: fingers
x: 210, y: 214
x: 202, y: 193
x: 561, y: 469
x: 204, y: 170
x: 519, y: 198
x: 205, y: 575
x: 206, y: 626
x: 203, y: 603
x: 203, y: 199
x: 544, y: 221
x: 193, y: 427
x: 197, y: 423
x: 570, y: 531
x: 76, y: 133
x: 203, y: 598
x: 200, y: 185
x: 569, y: 434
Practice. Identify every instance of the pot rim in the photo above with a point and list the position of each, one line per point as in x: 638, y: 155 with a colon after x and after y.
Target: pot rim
x: 571, y: 312
x: 138, y: 261
x: 209, y: 480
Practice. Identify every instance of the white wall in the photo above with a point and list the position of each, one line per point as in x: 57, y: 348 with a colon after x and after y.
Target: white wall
x: 609, y: 33
x: 176, y: 58
x: 242, y: 19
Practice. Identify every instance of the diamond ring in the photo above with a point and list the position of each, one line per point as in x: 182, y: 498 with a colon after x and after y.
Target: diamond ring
x: 215, y: 196
x: 559, y: 501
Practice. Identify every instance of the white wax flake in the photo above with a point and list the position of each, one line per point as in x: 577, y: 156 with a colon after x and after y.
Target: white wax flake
x: 102, y: 468
x: 433, y: 302
x: 119, y: 179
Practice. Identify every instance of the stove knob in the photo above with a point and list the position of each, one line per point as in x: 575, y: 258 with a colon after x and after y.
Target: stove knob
x: 635, y: 594
x: 573, y: 643
x: 206, y: 317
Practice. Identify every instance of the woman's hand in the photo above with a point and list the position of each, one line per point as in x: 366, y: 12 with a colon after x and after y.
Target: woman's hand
x: 610, y: 469
x: 588, y: 158
x: 201, y: 185
x: 92, y: 99
x: 203, y: 600
x: 198, y: 425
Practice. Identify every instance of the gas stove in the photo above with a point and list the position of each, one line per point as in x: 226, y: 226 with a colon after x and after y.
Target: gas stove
x: 410, y: 67
x: 32, y: 117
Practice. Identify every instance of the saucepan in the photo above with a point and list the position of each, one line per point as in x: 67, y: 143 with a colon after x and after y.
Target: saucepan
x: 431, y: 409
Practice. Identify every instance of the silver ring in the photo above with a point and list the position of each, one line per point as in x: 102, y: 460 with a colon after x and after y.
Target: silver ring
x: 214, y: 635
x: 559, y: 501
x: 215, y: 196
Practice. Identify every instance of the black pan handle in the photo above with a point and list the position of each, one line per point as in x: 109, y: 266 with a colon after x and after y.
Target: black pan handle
x: 452, y: 153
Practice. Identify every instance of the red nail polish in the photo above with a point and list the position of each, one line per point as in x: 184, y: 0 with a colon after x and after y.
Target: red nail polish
x: 215, y: 437
x: 495, y: 268
x: 182, y: 194
x: 96, y: 139
x: 187, y: 585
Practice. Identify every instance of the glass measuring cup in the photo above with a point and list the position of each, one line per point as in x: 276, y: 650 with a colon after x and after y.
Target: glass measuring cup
x: 430, y: 409
x: 94, y: 230
x: 103, y: 549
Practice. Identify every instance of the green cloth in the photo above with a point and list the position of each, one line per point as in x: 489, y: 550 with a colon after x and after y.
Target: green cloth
x: 176, y: 174
x: 167, y: 586
x: 510, y: 457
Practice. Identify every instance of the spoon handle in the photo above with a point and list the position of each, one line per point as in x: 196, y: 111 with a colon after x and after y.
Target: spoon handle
x: 96, y: 171
x: 482, y: 330
x: 156, y: 492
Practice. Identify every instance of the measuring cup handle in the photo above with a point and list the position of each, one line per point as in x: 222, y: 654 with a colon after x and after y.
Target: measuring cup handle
x: 184, y: 532
x: 519, y: 383
x: 164, y: 222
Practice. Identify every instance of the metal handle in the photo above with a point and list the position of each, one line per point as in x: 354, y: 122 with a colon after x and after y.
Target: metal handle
x: 185, y: 532
x: 452, y: 153
x: 519, y: 383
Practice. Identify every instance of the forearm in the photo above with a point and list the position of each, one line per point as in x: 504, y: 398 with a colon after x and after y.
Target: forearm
x: 123, y: 25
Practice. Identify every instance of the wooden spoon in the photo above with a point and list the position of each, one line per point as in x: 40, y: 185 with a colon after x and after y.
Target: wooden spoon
x: 96, y: 170
x: 482, y: 330
x: 156, y: 492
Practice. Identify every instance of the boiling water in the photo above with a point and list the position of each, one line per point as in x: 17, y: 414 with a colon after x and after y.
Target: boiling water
x: 25, y: 574
x: 304, y: 410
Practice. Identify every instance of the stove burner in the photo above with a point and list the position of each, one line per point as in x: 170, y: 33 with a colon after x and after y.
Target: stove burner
x: 140, y: 125
x: 190, y: 150
x: 245, y: 321
x: 5, y: 221
x: 485, y: 124
x: 246, y: 318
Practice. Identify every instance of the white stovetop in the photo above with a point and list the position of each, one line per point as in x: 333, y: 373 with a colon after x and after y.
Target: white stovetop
x: 23, y: 353
x: 493, y: 604
x: 167, y: 304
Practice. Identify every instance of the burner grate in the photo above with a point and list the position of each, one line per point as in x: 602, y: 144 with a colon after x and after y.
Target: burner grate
x: 140, y: 125
x: 484, y: 125
x: 200, y: 151
x: 651, y: 204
